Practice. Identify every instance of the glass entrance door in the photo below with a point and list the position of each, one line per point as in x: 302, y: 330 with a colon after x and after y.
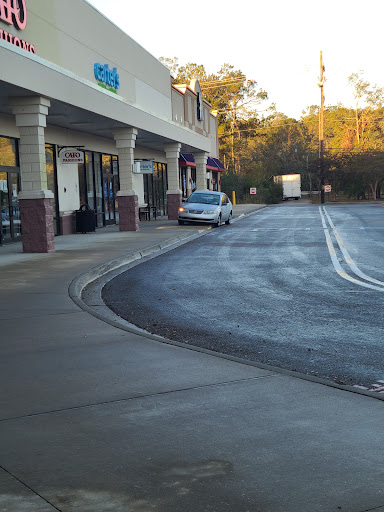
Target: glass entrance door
x: 110, y: 175
x: 155, y: 188
x: 109, y: 199
x: 10, y: 212
x: 51, y: 167
x: 10, y: 228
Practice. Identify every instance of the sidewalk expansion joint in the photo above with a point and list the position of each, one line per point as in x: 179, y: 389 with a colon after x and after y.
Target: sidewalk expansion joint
x: 29, y: 488
x: 138, y: 397
x: 45, y: 315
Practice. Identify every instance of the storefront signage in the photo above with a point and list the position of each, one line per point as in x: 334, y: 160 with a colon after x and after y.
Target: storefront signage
x: 71, y: 156
x: 107, y: 77
x: 14, y: 12
x: 143, y: 167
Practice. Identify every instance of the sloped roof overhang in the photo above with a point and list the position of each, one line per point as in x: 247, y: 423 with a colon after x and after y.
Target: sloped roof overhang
x: 81, y: 105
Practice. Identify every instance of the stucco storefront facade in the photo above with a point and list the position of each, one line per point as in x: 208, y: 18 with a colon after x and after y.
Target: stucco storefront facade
x: 72, y: 84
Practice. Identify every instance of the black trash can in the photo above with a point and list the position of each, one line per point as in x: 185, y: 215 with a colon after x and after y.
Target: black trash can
x: 85, y: 219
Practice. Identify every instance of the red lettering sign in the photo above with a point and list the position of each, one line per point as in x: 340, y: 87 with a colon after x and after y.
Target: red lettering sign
x: 71, y: 156
x: 14, y: 12
x: 16, y: 41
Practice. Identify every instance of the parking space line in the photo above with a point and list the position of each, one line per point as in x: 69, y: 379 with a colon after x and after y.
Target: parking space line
x: 338, y: 268
x: 352, y: 265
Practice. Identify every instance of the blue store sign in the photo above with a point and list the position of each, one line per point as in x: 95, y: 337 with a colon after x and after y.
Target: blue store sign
x: 107, y: 77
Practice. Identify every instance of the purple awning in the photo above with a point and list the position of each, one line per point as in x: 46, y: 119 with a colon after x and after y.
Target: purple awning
x: 213, y: 164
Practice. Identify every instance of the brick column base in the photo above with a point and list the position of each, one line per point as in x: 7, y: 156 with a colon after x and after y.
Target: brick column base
x: 174, y: 203
x: 36, y: 217
x: 128, y: 213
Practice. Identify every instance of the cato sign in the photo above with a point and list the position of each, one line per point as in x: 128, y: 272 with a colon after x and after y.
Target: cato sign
x: 71, y: 156
x: 14, y: 12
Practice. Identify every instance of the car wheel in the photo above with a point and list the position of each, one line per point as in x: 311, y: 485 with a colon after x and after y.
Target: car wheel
x: 218, y: 223
x: 229, y: 220
x: 181, y: 222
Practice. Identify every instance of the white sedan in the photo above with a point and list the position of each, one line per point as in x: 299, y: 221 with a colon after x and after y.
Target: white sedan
x: 206, y: 206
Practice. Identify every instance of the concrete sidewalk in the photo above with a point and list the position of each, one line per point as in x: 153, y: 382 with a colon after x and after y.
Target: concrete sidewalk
x: 97, y: 418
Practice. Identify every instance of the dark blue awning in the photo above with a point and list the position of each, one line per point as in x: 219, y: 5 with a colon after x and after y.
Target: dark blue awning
x: 213, y: 164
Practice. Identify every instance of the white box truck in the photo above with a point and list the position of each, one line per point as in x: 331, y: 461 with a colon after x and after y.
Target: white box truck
x: 291, y: 185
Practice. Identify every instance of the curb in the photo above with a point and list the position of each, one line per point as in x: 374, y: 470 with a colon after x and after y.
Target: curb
x: 101, y: 271
x: 80, y: 282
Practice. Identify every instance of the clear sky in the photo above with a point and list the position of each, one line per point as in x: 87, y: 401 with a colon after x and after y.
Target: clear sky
x: 275, y: 42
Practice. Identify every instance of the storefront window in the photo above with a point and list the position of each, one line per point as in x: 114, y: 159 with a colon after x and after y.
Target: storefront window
x: 110, y: 178
x: 82, y: 185
x: 215, y: 180
x: 14, y: 185
x: 98, y: 188
x: 10, y: 212
x: 8, y: 152
x: 90, y: 180
x: 155, y: 188
x: 50, y: 162
x: 5, y: 210
x: 9, y: 188
x: 116, y: 185
x: 106, y: 163
x: 193, y: 173
x: 183, y: 181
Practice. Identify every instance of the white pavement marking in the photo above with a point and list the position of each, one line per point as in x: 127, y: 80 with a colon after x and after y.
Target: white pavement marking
x: 339, y: 269
x: 355, y: 269
x: 281, y: 229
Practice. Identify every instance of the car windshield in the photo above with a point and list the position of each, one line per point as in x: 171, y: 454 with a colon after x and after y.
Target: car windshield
x: 204, y: 199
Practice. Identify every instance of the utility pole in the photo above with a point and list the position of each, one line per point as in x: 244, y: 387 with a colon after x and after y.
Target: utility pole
x: 321, y: 129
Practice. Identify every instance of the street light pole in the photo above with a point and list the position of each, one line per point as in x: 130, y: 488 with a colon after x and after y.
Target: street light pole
x: 321, y: 129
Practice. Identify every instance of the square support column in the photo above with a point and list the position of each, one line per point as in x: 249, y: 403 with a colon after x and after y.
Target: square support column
x: 127, y: 198
x: 189, y: 180
x: 201, y: 159
x: 209, y: 180
x: 36, y: 202
x: 174, y: 194
x: 36, y: 215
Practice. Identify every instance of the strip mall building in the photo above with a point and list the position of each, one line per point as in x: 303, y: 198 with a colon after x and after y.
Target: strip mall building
x: 87, y: 116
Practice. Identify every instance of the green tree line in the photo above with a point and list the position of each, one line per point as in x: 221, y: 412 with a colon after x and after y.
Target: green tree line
x: 256, y: 146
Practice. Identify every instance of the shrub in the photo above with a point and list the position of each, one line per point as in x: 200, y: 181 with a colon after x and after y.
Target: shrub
x: 268, y: 192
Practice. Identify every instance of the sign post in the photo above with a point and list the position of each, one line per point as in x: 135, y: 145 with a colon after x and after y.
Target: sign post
x: 327, y: 188
x: 253, y: 191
